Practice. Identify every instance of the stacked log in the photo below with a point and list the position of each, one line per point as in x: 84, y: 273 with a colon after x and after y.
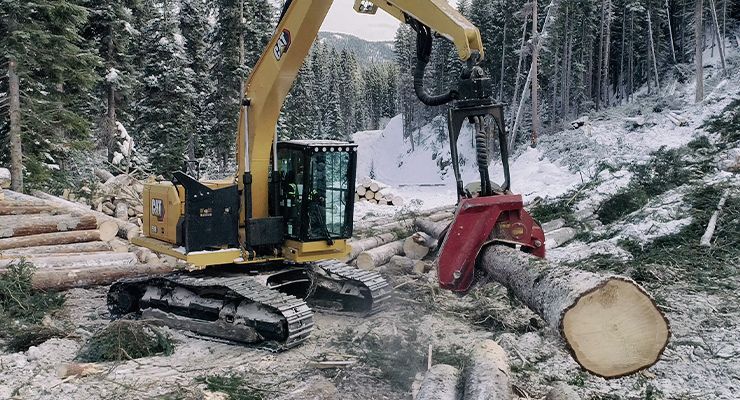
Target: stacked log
x: 377, y: 193
x: 120, y: 197
x: 68, y: 244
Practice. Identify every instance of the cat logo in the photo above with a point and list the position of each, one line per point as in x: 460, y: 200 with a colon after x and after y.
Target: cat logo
x: 282, y: 45
x: 158, y: 209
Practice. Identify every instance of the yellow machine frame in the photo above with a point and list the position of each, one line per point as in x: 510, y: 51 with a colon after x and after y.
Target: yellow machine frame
x: 264, y: 94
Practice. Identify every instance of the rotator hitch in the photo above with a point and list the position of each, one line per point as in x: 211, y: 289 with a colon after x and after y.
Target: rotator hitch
x: 492, y: 214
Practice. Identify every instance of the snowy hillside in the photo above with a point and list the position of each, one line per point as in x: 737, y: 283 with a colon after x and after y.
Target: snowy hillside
x: 365, y: 51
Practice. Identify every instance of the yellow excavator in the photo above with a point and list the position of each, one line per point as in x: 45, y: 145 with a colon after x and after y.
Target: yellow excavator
x: 277, y: 230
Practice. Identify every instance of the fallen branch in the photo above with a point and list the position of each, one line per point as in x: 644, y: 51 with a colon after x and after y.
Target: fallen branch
x: 706, y: 239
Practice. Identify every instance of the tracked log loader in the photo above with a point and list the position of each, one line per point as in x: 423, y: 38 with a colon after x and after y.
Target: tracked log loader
x: 269, y: 239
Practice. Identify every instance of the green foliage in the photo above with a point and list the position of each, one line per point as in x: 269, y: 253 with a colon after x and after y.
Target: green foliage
x: 125, y: 340
x: 727, y: 123
x: 22, y: 308
x: 666, y: 170
x: 234, y: 386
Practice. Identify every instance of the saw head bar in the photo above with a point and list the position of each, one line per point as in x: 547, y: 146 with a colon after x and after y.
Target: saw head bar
x: 479, y: 222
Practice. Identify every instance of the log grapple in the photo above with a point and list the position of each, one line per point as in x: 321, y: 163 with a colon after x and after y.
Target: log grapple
x: 486, y: 213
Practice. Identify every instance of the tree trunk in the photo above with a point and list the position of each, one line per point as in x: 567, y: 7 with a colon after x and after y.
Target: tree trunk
x: 720, y: 40
x: 79, y: 260
x: 611, y: 326
x: 535, y: 75
x: 358, y: 246
x: 45, y: 224
x: 503, y: 64
x: 622, y: 90
x: 488, y: 373
x: 564, y: 68
x: 670, y: 31
x: 48, y: 239
x: 699, y: 33
x: 549, y: 19
x: 372, y: 259
x: 16, y: 147
x: 8, y: 209
x: 126, y: 230
x: 632, y: 57
x: 682, y: 44
x: 601, y: 55
x: 652, y: 51
x: 40, y: 251
x: 440, y: 383
x: 518, y: 77
x: 607, y: 55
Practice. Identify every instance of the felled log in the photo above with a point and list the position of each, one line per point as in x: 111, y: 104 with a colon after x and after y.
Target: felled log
x: 78, y: 369
x: 611, y: 326
x: 706, y: 238
x: 373, y: 258
x: 47, y: 224
x: 417, y: 245
x: 18, y: 208
x: 488, y: 373
x: 676, y: 119
x: 440, y: 383
x: 48, y: 239
x: 360, y: 190
x: 122, y: 210
x: 431, y: 228
x: 126, y: 229
x: 358, y: 246
x: 67, y: 278
x: 550, y: 226
x: 40, y: 251
x: 559, y: 237
x: 79, y: 260
x: 561, y: 391
x: 103, y: 175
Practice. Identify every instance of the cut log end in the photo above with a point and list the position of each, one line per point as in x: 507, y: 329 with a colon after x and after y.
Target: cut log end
x: 108, y: 230
x: 615, y: 330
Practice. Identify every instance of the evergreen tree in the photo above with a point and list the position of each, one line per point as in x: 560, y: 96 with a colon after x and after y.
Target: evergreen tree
x: 164, y: 114
x: 194, y: 28
x: 45, y: 54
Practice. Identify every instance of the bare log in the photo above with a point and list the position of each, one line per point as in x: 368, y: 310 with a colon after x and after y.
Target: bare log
x: 417, y: 245
x: 23, y: 209
x: 126, y: 229
x: 431, y: 228
x: 373, y: 258
x: 440, y: 383
x: 47, y: 224
x: 611, y: 326
x: 78, y: 261
x: 559, y: 237
x: 550, y: 226
x: 103, y: 175
x: 561, y: 391
x: 48, y: 239
x: 706, y: 239
x: 40, y: 251
x: 488, y: 376
x: 67, y: 278
x: 78, y: 369
x: 358, y: 246
x: 122, y: 210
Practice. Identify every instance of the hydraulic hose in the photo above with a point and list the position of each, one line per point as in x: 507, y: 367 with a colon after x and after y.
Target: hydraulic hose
x: 423, y: 52
x: 481, y: 149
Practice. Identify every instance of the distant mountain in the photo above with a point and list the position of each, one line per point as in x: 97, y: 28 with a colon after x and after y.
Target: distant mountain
x: 364, y: 50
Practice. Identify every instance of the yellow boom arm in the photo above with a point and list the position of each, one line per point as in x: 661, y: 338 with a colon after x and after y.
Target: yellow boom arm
x: 276, y: 70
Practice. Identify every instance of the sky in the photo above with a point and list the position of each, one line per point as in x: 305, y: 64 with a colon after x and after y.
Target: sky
x: 344, y: 19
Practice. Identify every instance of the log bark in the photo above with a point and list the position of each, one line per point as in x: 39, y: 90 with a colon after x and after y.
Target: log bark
x: 561, y: 391
x: 489, y: 373
x: 40, y: 251
x: 611, y: 326
x: 47, y: 224
x: 14, y: 133
x: 48, y: 239
x: 21, y: 209
x: 102, y: 174
x: 559, y: 237
x: 78, y: 261
x: 417, y: 245
x: 358, y: 246
x: 67, y: 278
x: 126, y: 230
x: 373, y: 258
x: 440, y: 383
x: 431, y: 228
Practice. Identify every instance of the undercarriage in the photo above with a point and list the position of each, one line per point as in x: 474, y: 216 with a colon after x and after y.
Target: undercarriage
x: 269, y: 308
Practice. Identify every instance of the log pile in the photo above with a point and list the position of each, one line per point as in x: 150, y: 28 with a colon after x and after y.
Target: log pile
x: 376, y: 193
x: 117, y: 196
x: 677, y: 119
x: 68, y: 244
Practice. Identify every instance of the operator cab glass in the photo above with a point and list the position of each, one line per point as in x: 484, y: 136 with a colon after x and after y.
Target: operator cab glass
x: 317, y: 189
